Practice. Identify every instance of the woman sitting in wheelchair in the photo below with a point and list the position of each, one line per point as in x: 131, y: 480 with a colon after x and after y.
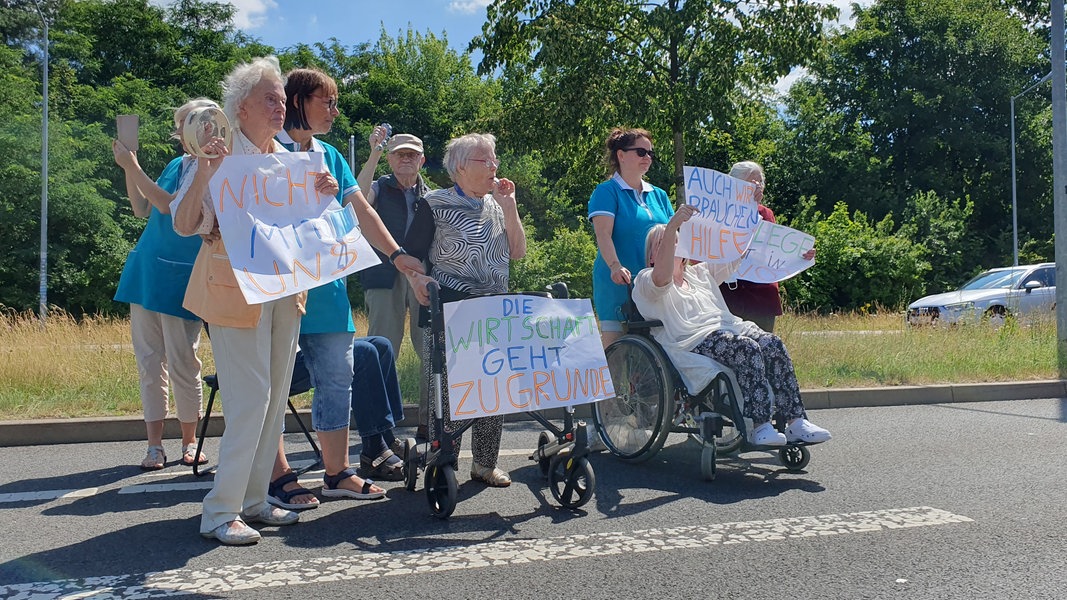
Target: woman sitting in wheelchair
x: 686, y: 299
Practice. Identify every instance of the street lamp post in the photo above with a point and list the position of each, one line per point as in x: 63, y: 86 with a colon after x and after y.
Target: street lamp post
x: 1014, y: 198
x: 43, y: 307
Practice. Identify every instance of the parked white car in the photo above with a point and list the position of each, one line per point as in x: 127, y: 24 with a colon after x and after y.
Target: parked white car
x: 994, y: 295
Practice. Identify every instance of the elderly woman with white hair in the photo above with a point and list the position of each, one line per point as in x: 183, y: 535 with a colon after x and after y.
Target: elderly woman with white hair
x: 254, y: 345
x: 477, y: 233
x: 687, y: 301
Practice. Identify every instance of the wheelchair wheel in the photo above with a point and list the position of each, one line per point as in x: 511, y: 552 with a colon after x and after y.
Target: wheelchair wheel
x: 543, y: 439
x: 795, y: 458
x: 707, y: 462
x: 571, y: 481
x: 441, y: 490
x: 411, y: 464
x: 636, y: 422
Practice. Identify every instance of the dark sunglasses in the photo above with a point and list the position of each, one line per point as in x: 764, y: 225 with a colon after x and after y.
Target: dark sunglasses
x: 641, y: 152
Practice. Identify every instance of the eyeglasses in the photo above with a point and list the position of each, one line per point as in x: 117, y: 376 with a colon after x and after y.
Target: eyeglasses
x: 641, y: 152
x: 331, y: 103
x: 490, y: 163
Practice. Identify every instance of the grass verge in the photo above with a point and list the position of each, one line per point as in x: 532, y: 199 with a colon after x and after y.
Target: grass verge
x: 86, y: 368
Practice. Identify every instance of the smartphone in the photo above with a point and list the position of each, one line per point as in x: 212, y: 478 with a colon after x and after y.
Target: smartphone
x: 127, y: 126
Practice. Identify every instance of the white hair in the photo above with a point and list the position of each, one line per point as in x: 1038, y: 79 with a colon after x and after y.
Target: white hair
x: 745, y: 169
x: 460, y: 149
x: 654, y: 235
x: 239, y: 83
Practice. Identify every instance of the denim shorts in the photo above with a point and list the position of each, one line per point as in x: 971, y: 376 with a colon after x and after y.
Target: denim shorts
x: 329, y: 360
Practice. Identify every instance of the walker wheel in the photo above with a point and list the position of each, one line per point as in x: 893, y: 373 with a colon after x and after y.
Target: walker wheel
x: 571, y: 480
x: 544, y: 439
x: 441, y: 490
x: 411, y: 464
x: 707, y: 461
x: 795, y: 458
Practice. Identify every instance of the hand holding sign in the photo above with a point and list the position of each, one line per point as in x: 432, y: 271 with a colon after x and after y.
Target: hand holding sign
x: 728, y: 216
x: 777, y: 253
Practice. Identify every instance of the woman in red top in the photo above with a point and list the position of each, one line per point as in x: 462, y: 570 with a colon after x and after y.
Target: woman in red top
x: 756, y: 302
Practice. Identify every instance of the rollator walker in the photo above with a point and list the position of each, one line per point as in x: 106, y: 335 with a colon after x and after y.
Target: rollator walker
x: 562, y: 452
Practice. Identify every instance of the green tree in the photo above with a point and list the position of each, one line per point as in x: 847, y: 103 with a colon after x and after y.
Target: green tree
x: 669, y: 66
x: 921, y: 88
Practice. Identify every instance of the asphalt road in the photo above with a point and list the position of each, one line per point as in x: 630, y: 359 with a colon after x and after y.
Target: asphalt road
x: 938, y: 501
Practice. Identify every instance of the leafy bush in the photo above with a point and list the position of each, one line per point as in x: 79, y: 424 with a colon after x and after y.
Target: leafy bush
x: 566, y: 256
x: 858, y: 263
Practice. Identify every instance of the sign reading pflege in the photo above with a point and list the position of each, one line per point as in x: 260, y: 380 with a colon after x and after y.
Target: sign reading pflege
x: 509, y: 354
x: 282, y: 236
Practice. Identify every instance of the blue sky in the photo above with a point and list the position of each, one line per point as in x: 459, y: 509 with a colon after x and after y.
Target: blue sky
x: 284, y: 23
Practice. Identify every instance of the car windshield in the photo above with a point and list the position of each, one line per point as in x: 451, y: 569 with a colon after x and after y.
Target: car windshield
x: 1002, y: 278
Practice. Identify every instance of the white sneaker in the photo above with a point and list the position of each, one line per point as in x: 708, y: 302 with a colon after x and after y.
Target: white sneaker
x: 803, y: 430
x: 767, y: 435
x: 272, y: 515
x: 233, y: 533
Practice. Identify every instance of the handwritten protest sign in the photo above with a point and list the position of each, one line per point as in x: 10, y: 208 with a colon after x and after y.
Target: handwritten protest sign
x: 508, y: 354
x: 282, y: 236
x: 775, y: 254
x: 728, y: 216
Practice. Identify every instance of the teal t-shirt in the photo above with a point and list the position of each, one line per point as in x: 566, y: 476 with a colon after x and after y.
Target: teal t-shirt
x: 633, y: 219
x: 157, y: 270
x: 328, y: 308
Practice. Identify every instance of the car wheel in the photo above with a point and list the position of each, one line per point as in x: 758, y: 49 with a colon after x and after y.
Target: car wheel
x: 996, y: 316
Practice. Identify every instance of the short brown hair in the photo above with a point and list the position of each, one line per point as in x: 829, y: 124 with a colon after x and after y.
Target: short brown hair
x: 302, y: 83
x: 618, y: 139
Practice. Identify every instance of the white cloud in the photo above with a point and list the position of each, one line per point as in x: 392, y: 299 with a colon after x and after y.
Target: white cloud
x: 468, y: 7
x: 250, y: 13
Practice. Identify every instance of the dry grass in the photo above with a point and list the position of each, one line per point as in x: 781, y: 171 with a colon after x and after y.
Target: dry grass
x: 86, y: 368
x: 859, y: 350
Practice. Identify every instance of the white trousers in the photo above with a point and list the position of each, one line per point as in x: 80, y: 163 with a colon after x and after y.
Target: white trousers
x: 254, y: 368
x: 165, y: 347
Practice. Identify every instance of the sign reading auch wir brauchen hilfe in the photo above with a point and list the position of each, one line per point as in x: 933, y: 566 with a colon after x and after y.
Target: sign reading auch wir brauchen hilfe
x: 728, y: 217
x: 283, y: 237
x: 509, y: 354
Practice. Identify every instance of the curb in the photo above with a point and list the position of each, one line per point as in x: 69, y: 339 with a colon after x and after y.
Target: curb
x: 131, y: 428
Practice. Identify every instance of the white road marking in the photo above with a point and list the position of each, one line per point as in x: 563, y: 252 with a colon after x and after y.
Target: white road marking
x: 47, y: 495
x: 225, y: 579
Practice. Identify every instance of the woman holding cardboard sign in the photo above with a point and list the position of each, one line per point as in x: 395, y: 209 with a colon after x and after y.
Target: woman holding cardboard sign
x: 695, y: 318
x: 477, y: 232
x: 756, y: 302
x: 622, y: 209
x: 349, y: 376
x: 254, y: 345
x: 165, y: 335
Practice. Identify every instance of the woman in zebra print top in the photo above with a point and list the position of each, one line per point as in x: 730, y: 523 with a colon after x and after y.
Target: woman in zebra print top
x: 477, y: 233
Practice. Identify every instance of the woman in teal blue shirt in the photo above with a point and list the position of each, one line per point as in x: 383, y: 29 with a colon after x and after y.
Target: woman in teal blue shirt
x: 327, y: 331
x: 622, y: 210
x: 165, y: 335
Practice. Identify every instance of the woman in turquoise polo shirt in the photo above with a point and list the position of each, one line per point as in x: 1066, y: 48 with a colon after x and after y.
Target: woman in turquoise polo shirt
x: 622, y: 210
x: 327, y: 330
x: 153, y: 282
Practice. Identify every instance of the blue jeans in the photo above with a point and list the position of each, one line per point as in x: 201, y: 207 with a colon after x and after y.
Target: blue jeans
x: 376, y: 402
x: 328, y: 357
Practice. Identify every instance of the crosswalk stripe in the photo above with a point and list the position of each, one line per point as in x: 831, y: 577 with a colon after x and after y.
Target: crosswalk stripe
x: 225, y: 579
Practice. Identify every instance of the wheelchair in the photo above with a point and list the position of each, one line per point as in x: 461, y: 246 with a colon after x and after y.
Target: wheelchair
x: 653, y: 400
x: 561, y: 454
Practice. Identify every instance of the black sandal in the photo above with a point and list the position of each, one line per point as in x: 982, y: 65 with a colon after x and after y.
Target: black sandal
x: 331, y: 487
x: 387, y: 466
x: 278, y: 496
